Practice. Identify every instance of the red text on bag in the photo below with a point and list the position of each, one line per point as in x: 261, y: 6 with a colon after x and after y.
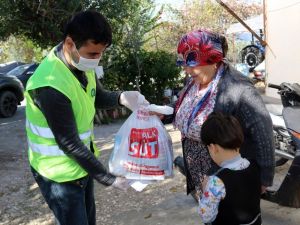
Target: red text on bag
x: 143, y: 143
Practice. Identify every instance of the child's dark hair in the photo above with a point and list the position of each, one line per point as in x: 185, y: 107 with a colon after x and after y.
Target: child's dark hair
x: 223, y: 130
x: 88, y: 25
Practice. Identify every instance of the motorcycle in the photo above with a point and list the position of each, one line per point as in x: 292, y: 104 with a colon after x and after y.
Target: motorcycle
x: 284, y: 139
x: 286, y: 130
x: 287, y: 144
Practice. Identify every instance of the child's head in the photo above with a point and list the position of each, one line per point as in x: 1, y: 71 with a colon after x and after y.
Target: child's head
x: 223, y: 135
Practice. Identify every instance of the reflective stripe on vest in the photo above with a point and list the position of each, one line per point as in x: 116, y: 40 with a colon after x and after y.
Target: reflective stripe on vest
x: 47, y: 150
x: 46, y: 132
x: 45, y: 154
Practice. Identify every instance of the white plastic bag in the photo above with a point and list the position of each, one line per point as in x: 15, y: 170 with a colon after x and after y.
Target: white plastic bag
x: 143, y: 148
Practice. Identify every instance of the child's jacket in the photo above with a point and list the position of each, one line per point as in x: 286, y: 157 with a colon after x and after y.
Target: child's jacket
x: 241, y: 204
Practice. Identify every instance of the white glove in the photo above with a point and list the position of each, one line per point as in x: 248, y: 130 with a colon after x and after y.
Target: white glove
x: 160, y: 109
x: 132, y: 99
x: 121, y: 183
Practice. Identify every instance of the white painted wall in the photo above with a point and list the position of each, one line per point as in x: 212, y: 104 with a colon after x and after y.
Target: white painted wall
x: 282, y: 25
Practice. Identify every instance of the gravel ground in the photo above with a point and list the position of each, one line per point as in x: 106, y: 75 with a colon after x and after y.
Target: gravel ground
x: 162, y: 203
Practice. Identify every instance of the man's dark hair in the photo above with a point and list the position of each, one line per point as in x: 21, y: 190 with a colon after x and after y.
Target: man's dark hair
x: 88, y: 25
x: 223, y: 130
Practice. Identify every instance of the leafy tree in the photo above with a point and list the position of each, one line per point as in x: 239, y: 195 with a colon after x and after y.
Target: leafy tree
x: 43, y: 21
x: 20, y: 49
x: 195, y: 14
x: 158, y: 71
x: 132, y: 20
x: 136, y: 29
x: 133, y: 29
x: 40, y: 21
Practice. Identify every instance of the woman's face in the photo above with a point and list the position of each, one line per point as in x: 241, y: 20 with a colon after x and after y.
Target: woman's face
x: 202, y: 74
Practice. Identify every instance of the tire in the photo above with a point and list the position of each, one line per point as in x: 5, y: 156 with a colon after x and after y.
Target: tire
x: 252, y: 56
x: 8, y: 104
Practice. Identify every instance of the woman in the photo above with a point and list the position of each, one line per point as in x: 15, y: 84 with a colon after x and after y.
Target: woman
x: 215, y: 86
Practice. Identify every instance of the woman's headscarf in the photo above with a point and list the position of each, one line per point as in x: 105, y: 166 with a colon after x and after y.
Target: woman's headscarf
x: 200, y: 48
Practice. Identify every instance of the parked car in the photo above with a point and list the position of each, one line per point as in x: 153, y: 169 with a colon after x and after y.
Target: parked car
x: 6, y: 67
x: 23, y: 72
x: 11, y: 95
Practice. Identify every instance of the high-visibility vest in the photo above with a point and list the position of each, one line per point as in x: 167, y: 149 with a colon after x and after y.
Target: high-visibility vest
x: 44, y: 154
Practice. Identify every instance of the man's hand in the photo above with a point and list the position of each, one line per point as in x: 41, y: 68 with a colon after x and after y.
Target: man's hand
x: 132, y: 99
x: 121, y: 183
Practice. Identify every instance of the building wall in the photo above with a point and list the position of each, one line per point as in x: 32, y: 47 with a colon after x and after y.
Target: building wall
x: 282, y: 25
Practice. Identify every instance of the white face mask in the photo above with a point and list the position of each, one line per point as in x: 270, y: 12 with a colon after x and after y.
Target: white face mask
x: 85, y: 64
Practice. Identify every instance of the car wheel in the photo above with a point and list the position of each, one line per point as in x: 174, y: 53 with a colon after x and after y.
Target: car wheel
x: 8, y: 104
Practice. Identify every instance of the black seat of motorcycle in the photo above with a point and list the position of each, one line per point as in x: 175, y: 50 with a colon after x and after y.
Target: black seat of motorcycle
x: 296, y: 88
x: 291, y: 118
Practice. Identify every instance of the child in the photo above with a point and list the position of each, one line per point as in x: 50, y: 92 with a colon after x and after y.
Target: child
x: 232, y: 195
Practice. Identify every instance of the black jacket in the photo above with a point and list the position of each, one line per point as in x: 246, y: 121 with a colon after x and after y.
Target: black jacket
x: 241, y: 204
x: 238, y: 97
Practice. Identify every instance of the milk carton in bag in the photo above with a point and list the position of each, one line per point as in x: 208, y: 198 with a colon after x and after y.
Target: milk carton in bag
x: 143, y: 148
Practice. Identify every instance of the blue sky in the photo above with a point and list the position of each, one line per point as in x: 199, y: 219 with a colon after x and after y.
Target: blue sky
x: 177, y: 3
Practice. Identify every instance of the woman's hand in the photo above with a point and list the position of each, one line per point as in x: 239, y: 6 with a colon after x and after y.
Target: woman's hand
x: 263, y: 189
x: 160, y: 116
x: 204, y: 183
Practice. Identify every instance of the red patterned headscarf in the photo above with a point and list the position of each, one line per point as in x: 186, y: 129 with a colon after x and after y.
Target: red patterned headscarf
x: 200, y: 48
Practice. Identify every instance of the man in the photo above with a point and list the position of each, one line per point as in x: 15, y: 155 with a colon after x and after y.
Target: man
x: 61, y: 99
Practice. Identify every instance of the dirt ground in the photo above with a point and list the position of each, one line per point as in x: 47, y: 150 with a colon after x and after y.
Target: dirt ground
x: 162, y: 203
